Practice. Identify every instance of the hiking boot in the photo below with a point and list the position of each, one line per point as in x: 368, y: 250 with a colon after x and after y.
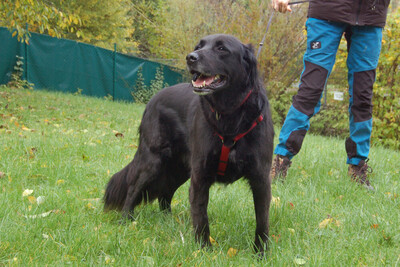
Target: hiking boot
x: 280, y: 166
x: 358, y: 173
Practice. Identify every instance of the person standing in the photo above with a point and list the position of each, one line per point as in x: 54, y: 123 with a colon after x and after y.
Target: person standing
x: 362, y: 22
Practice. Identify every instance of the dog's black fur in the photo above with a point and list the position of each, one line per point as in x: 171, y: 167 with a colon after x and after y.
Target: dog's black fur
x: 178, y: 138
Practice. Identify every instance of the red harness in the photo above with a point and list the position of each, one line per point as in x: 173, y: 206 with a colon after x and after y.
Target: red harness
x: 224, y: 157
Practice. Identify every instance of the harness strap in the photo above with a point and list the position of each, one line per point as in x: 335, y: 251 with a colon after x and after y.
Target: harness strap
x: 223, y: 158
x: 241, y: 104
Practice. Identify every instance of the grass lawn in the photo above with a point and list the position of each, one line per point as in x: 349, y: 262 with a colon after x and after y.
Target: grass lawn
x: 66, y: 147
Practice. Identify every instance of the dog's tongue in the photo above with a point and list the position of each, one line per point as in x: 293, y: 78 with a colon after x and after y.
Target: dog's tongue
x: 203, y: 81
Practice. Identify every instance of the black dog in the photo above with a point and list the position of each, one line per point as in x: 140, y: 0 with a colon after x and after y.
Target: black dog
x: 221, y: 133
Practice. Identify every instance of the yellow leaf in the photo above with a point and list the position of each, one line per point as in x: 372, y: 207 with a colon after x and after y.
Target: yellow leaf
x: 232, y: 252
x: 325, y: 223
x: 213, y: 242
x: 32, y: 199
x: 276, y: 201
x: 90, y: 206
x: 61, y: 181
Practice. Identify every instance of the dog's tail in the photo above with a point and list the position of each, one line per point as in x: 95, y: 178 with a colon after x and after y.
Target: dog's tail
x: 116, y: 190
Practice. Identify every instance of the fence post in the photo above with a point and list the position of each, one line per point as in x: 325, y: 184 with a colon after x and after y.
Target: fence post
x: 26, y: 54
x: 114, y: 68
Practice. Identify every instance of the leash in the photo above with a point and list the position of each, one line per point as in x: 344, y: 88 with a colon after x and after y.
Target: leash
x: 269, y: 24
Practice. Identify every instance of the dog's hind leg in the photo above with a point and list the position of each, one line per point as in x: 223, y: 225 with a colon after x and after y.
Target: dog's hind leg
x: 165, y: 202
x: 140, y: 187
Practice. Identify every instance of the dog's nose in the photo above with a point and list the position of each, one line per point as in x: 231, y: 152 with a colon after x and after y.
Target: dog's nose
x: 192, y: 57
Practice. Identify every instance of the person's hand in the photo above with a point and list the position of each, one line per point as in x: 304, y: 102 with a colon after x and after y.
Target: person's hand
x: 281, y: 5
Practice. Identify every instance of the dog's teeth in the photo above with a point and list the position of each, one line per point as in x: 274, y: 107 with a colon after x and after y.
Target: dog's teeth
x: 204, y: 83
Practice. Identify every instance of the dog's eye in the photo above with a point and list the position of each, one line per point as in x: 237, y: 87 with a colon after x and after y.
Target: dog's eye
x: 222, y: 48
x: 197, y: 47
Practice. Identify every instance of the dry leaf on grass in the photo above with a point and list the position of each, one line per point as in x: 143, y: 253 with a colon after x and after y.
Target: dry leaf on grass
x: 32, y: 199
x: 27, y: 192
x: 41, y: 215
x: 276, y: 201
x: 329, y: 222
x: 213, y: 242
x: 40, y: 200
x: 232, y: 252
x: 298, y: 260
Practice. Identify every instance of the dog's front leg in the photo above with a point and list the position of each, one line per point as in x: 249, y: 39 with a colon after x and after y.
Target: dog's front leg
x: 199, y: 194
x: 262, y: 198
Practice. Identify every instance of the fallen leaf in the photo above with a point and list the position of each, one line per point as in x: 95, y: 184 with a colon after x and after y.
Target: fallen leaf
x: 232, y: 252
x: 119, y: 135
x: 276, y: 237
x: 196, y: 253
x: 108, y: 259
x: 325, y: 223
x: 147, y: 261
x: 27, y: 192
x: 291, y: 230
x: 32, y: 199
x: 329, y: 221
x: 41, y: 215
x: 90, y: 206
x: 61, y: 181
x: 213, y: 242
x: 2, y: 175
x: 91, y: 199
x: 276, y: 201
x: 374, y: 226
x: 40, y: 200
x: 298, y: 260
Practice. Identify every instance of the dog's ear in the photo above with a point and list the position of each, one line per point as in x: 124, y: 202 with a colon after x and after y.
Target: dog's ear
x: 250, y: 62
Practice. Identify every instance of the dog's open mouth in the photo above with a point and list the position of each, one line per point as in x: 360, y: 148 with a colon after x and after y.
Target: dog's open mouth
x: 205, y: 84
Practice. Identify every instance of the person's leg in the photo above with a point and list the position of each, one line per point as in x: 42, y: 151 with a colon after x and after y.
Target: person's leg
x: 323, y: 38
x: 364, y: 50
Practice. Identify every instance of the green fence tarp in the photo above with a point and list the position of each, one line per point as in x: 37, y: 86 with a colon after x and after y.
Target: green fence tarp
x: 66, y: 65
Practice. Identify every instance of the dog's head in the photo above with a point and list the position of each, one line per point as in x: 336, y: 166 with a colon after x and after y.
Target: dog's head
x: 219, y: 62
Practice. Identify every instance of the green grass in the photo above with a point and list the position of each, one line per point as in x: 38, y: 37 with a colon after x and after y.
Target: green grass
x: 65, y: 148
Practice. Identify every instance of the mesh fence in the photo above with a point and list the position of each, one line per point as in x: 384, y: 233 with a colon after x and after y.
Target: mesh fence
x: 68, y: 66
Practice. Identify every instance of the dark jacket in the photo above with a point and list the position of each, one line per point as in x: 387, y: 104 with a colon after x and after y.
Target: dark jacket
x: 353, y: 12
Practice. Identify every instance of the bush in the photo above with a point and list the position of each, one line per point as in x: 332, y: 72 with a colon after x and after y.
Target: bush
x: 386, y: 99
x: 17, y: 80
x: 142, y: 93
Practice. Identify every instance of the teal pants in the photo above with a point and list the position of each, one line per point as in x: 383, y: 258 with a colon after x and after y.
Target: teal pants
x: 323, y: 38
